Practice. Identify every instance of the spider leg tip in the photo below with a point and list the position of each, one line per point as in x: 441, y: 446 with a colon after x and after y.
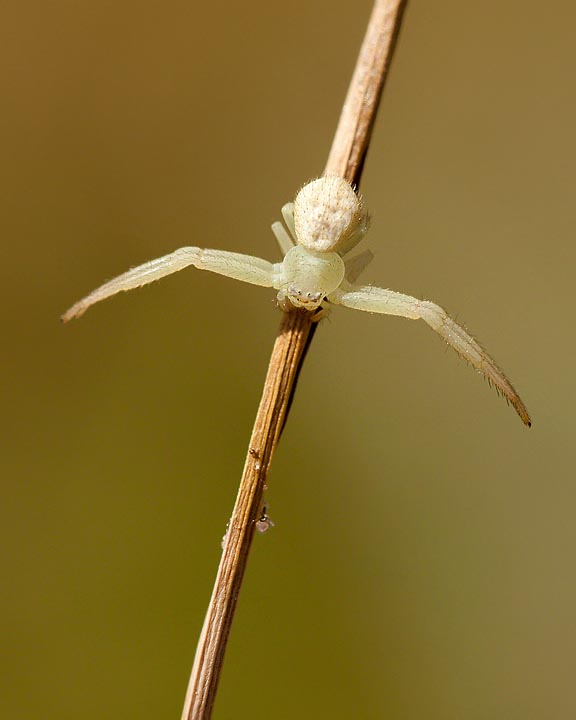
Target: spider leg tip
x: 70, y: 314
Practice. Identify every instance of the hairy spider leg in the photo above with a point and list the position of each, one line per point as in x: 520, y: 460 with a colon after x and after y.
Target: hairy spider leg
x: 247, y: 268
x: 388, y: 302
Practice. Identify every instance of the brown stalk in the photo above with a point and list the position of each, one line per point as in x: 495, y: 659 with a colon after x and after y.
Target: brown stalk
x: 346, y: 159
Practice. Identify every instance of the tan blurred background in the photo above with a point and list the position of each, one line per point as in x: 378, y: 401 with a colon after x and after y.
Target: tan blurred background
x: 422, y: 563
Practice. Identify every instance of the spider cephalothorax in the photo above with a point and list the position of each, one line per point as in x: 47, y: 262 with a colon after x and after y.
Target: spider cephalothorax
x: 326, y: 220
x: 307, y: 276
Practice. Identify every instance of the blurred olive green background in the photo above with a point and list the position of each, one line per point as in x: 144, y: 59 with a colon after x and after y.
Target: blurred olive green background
x: 422, y: 563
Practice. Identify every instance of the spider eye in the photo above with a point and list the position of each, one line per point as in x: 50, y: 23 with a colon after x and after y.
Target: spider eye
x: 305, y: 298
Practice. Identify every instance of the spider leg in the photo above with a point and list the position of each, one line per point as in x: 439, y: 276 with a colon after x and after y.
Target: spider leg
x: 235, y: 265
x: 288, y: 215
x: 388, y: 302
x: 284, y: 240
x: 356, y: 236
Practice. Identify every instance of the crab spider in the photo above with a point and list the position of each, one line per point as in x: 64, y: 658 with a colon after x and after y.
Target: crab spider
x: 326, y: 220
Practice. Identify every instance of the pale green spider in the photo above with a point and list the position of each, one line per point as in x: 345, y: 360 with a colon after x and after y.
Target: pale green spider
x: 326, y: 220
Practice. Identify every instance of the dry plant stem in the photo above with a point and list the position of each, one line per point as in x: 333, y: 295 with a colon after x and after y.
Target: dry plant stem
x: 358, y: 114
x: 282, y: 372
x: 346, y: 159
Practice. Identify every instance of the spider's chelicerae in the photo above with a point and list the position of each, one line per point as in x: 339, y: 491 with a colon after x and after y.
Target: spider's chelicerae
x: 325, y: 221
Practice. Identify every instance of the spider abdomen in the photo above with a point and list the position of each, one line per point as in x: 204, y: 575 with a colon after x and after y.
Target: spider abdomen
x: 326, y: 212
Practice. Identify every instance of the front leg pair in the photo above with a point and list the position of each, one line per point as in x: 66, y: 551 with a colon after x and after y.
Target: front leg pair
x: 388, y: 302
x: 247, y: 268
